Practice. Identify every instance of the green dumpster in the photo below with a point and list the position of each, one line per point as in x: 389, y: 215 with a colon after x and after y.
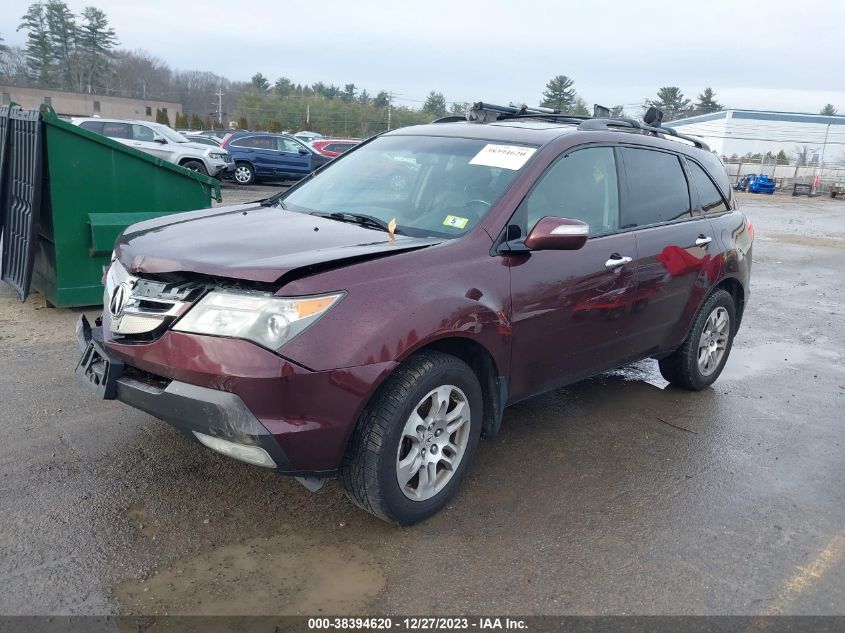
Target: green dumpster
x: 92, y: 188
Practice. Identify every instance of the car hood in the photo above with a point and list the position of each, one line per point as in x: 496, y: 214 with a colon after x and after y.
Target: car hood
x: 200, y: 147
x: 252, y: 242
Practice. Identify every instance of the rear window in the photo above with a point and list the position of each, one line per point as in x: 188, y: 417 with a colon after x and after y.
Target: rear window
x: 709, y: 196
x: 657, y: 188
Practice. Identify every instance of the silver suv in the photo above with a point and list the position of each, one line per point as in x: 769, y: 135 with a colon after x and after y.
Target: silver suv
x: 159, y: 140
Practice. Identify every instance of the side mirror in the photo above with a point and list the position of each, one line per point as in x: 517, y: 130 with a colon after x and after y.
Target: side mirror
x: 159, y: 139
x: 557, y: 234
x: 303, y: 151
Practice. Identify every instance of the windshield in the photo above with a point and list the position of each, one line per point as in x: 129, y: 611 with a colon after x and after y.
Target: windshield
x: 170, y: 135
x: 429, y: 185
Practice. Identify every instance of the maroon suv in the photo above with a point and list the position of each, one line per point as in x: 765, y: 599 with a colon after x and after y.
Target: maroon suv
x: 350, y: 328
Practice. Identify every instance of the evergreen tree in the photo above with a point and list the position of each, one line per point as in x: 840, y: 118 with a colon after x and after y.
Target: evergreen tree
x: 435, y: 104
x: 671, y: 101
x: 707, y: 102
x: 579, y: 107
x: 381, y: 99
x: 828, y: 110
x: 196, y: 122
x: 364, y: 98
x: 348, y: 93
x: 283, y: 87
x: 260, y: 82
x: 96, y: 43
x: 39, y: 49
x: 63, y: 34
x: 243, y: 124
x: 559, y: 94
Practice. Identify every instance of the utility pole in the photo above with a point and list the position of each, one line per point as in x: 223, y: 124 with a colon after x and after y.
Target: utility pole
x: 220, y: 104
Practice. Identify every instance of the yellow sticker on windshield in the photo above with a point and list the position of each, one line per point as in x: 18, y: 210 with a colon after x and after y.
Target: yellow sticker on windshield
x: 455, y: 222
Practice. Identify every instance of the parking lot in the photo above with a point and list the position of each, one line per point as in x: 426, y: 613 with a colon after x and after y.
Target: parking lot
x: 616, y: 495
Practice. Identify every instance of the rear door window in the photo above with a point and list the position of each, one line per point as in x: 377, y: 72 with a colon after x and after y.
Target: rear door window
x: 709, y: 196
x: 657, y: 188
x: 117, y: 130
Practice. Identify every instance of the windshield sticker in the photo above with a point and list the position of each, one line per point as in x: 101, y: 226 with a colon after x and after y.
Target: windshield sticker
x: 455, y: 222
x: 504, y: 156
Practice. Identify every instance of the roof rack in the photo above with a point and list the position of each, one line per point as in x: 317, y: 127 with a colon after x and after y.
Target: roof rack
x: 481, y: 112
x: 604, y: 124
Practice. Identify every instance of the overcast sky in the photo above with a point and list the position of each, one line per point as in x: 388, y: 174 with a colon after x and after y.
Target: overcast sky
x: 770, y: 54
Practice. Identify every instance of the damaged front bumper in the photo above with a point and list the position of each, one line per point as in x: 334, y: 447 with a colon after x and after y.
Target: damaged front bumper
x: 220, y: 420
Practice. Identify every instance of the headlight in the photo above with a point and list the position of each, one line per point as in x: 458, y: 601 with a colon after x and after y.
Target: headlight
x: 262, y: 318
x: 217, y: 155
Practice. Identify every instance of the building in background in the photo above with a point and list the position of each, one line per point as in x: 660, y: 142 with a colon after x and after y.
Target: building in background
x: 67, y: 104
x: 811, y: 138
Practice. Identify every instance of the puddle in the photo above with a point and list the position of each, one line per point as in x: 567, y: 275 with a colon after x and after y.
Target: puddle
x: 769, y: 358
x: 281, y: 575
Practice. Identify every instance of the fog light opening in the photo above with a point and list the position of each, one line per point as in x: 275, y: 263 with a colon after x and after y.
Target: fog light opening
x: 249, y: 454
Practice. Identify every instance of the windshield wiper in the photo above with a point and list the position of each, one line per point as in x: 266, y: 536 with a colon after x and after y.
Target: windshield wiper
x: 356, y: 218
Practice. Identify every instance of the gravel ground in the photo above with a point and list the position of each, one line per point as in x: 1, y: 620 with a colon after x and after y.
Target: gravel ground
x: 592, y: 500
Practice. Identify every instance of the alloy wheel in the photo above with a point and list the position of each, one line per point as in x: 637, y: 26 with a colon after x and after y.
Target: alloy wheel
x: 242, y: 174
x: 433, y: 442
x: 713, y: 341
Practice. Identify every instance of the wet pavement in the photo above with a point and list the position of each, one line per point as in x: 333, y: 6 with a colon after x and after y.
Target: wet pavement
x: 617, y: 495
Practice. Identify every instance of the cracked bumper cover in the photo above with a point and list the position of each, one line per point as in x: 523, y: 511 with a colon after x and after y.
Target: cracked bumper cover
x: 302, y: 419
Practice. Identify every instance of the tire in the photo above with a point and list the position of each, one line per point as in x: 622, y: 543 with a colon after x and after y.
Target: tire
x: 244, y: 174
x: 682, y: 367
x: 195, y: 165
x: 380, y: 444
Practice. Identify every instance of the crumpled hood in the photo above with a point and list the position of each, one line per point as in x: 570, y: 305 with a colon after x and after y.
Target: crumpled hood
x: 251, y: 242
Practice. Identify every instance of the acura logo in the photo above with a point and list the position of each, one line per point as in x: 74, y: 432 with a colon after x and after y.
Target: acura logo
x: 118, y: 299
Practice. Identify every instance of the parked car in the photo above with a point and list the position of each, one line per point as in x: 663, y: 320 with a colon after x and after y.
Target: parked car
x: 344, y: 328
x: 306, y: 137
x: 161, y: 141
x: 202, y: 139
x: 261, y: 155
x: 333, y: 147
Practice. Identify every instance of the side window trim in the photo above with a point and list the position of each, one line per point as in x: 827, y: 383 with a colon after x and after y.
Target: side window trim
x: 680, y: 158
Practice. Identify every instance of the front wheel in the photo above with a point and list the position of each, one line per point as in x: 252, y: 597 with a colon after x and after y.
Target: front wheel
x: 195, y: 165
x: 415, y: 439
x: 697, y: 363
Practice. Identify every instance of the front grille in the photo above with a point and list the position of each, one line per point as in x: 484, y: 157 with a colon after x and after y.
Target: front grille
x: 142, y: 309
x: 227, y: 158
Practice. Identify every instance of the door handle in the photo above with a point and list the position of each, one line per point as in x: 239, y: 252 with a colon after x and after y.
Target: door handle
x: 703, y: 241
x: 616, y: 261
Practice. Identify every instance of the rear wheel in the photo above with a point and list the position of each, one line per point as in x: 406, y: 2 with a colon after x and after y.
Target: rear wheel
x: 244, y: 174
x: 415, y: 439
x: 697, y: 363
x: 195, y: 165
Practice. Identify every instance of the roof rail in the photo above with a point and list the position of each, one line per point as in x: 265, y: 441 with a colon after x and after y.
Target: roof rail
x: 604, y: 124
x: 481, y: 112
